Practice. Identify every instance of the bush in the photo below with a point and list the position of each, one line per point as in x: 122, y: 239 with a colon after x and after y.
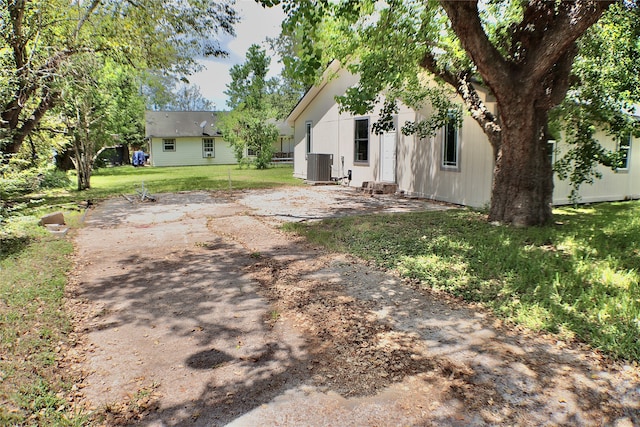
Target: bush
x: 54, y: 178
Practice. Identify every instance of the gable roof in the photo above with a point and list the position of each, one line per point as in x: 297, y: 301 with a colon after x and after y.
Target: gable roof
x: 172, y: 124
x: 182, y: 123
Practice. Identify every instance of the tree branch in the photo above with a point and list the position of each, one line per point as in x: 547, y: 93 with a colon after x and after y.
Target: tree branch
x: 554, y: 88
x: 85, y: 17
x: 461, y: 82
x: 465, y: 22
x: 559, y: 34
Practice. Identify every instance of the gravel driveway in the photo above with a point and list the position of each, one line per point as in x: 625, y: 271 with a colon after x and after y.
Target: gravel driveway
x: 196, y: 310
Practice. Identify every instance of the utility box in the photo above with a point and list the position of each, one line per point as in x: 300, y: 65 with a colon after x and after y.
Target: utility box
x: 319, y: 167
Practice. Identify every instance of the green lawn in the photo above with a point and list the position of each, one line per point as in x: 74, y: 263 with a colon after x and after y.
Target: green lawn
x: 34, y: 324
x: 578, y: 278
x: 110, y: 182
x: 125, y: 179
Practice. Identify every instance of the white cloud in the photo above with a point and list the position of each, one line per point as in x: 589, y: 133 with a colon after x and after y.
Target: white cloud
x: 256, y: 24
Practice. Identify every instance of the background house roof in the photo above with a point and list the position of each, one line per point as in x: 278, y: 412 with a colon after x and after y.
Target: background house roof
x: 182, y: 123
x: 172, y: 124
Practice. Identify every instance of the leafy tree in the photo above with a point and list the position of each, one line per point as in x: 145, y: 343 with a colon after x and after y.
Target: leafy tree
x: 39, y: 39
x: 287, y: 89
x: 168, y: 93
x: 247, y: 127
x: 189, y: 98
x: 157, y: 88
x: 101, y: 108
x: 522, y: 51
x: 604, y: 94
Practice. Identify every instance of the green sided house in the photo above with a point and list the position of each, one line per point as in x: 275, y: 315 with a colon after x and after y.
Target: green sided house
x: 456, y: 165
x: 190, y: 138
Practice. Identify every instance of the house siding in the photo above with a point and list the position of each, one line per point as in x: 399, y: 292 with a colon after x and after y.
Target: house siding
x: 614, y: 185
x: 189, y: 153
x: 418, y: 161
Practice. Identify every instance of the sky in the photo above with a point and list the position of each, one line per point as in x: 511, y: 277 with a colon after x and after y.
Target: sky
x: 256, y: 23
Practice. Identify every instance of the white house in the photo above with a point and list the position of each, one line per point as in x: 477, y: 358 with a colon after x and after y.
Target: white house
x: 456, y: 165
x: 187, y: 138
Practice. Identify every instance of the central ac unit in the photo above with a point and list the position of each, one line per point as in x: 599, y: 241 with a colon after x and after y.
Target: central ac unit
x: 319, y: 167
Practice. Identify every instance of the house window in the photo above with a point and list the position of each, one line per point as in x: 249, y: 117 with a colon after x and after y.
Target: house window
x: 450, y: 145
x: 307, y: 133
x: 208, y: 147
x: 551, y: 150
x: 361, y: 141
x: 624, y: 149
x: 169, y: 145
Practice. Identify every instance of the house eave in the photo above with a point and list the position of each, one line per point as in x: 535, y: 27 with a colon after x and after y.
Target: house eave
x: 312, y: 92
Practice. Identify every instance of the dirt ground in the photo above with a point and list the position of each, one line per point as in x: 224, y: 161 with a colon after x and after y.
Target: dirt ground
x: 195, y: 310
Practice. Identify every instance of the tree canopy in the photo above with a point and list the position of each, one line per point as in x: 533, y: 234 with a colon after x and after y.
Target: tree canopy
x: 522, y: 52
x: 604, y: 95
x: 247, y: 126
x: 39, y: 39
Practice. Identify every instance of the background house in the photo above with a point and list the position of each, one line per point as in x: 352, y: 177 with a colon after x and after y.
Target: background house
x: 456, y: 165
x: 186, y: 138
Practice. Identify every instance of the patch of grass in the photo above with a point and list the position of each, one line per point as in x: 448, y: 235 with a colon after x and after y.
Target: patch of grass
x: 33, y: 325
x: 126, y: 179
x: 578, y: 279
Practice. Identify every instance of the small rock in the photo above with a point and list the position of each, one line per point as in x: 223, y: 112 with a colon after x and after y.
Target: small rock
x: 52, y: 218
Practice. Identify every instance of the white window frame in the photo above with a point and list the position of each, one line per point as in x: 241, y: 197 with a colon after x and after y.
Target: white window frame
x: 169, y: 142
x: 357, y: 141
x: 208, y: 149
x: 444, y: 164
x: 624, y: 147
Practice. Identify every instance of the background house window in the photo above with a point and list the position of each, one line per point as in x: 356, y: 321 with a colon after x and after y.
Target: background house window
x: 169, y: 145
x: 624, y: 149
x: 450, y: 145
x: 208, y: 147
x: 361, y: 141
x: 307, y: 133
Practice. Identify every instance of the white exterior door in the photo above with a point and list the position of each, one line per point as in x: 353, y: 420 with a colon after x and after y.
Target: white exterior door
x: 388, y: 157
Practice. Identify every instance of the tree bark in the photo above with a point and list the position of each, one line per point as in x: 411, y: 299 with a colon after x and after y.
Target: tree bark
x: 522, y: 191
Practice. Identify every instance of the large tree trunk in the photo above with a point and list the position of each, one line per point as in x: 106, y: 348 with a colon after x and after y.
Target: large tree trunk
x: 522, y: 191
x: 527, y: 83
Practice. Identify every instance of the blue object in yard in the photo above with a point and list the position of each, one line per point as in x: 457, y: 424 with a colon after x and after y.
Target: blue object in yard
x: 139, y: 158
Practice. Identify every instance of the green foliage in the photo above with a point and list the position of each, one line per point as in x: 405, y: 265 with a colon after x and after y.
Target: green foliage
x: 165, y: 93
x: 383, y: 45
x: 579, y: 279
x: 247, y: 128
x: 102, y: 107
x: 16, y: 183
x: 39, y: 39
x: 606, y: 88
